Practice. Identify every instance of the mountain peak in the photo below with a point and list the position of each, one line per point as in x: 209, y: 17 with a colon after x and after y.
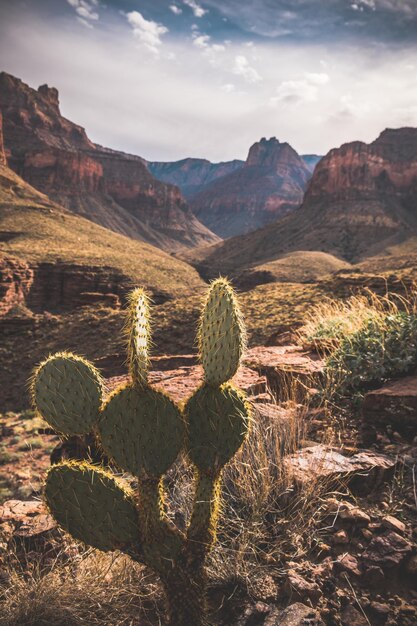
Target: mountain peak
x: 50, y: 94
x: 271, y: 153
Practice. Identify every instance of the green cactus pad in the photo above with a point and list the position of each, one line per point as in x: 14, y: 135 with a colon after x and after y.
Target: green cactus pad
x: 218, y: 422
x: 221, y: 334
x: 142, y: 430
x: 92, y: 506
x: 67, y: 392
x: 138, y: 330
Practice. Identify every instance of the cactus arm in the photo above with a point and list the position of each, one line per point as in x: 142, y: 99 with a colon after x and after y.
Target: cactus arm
x: 221, y: 334
x: 67, y: 391
x: 93, y: 506
x: 201, y: 532
x: 142, y: 430
x: 162, y: 540
x: 138, y: 332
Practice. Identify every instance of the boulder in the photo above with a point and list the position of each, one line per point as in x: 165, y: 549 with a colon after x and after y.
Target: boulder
x: 387, y: 551
x: 26, y: 523
x: 363, y: 471
x: 394, y: 404
x: 291, y: 372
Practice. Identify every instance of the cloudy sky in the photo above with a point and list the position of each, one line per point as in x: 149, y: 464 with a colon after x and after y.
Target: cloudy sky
x: 168, y: 79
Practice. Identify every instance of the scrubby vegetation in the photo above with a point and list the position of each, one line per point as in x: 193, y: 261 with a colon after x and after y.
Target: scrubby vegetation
x: 366, y: 339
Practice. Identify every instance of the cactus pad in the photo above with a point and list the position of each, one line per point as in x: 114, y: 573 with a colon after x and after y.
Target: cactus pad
x: 142, y: 430
x: 92, y: 506
x: 218, y: 422
x: 67, y: 392
x: 138, y: 330
x: 221, y: 334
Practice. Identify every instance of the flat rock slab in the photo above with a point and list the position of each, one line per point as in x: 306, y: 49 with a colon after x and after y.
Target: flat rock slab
x: 181, y: 382
x: 395, y: 404
x: 362, y: 472
x: 297, y: 614
x: 25, y: 518
x: 291, y: 371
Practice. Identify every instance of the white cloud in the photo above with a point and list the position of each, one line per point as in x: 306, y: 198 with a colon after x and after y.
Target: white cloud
x: 201, y: 41
x: 301, y: 90
x: 241, y: 67
x: 210, y: 51
x: 176, y: 10
x: 85, y: 10
x: 196, y: 8
x: 223, y: 114
x: 318, y: 79
x: 148, y: 32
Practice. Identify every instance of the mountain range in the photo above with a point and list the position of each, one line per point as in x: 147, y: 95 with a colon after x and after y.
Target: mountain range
x: 283, y: 216
x: 237, y: 197
x: 360, y: 203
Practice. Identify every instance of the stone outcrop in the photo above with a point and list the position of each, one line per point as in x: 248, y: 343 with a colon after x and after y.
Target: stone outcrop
x: 56, y: 287
x: 363, y: 471
x: 292, y: 373
x: 393, y: 405
x: 270, y: 184
x: 112, y: 188
x: 16, y: 280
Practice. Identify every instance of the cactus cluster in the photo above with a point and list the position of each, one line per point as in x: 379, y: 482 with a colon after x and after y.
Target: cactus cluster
x: 143, y: 431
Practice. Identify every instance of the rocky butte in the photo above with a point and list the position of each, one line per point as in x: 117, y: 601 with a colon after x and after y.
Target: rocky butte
x: 270, y: 184
x: 111, y: 188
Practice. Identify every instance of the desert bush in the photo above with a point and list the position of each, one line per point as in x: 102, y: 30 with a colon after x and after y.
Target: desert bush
x: 383, y: 348
x: 365, y: 340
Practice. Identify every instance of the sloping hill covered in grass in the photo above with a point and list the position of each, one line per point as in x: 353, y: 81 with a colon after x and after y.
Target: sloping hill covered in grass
x: 38, y: 231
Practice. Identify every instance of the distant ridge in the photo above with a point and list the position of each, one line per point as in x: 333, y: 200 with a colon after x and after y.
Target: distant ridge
x: 361, y: 201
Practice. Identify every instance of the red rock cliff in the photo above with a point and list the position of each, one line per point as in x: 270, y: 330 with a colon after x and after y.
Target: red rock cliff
x: 3, y: 160
x: 270, y: 184
x: 112, y: 188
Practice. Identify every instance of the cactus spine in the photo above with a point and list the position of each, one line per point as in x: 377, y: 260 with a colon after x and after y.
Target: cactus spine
x: 143, y: 431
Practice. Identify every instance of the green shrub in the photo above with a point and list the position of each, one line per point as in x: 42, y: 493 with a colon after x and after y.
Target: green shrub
x: 383, y: 348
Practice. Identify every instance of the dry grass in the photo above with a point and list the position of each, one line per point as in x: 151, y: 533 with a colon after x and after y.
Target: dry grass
x: 91, y: 588
x: 41, y: 231
x: 264, y: 523
x: 366, y: 339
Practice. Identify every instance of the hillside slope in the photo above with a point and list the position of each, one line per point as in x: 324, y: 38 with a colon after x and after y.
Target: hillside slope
x: 360, y: 203
x: 111, y: 188
x: 57, y: 246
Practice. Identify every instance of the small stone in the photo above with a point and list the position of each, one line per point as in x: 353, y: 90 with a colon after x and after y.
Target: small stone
x: 355, y: 515
x: 348, y: 563
x: 340, y: 538
x: 387, y: 550
x: 392, y: 523
x: 366, y: 534
x: 351, y: 616
x: 300, y: 588
x: 380, y: 608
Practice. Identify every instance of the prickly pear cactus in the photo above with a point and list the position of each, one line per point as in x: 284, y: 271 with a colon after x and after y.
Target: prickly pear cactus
x: 143, y: 431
